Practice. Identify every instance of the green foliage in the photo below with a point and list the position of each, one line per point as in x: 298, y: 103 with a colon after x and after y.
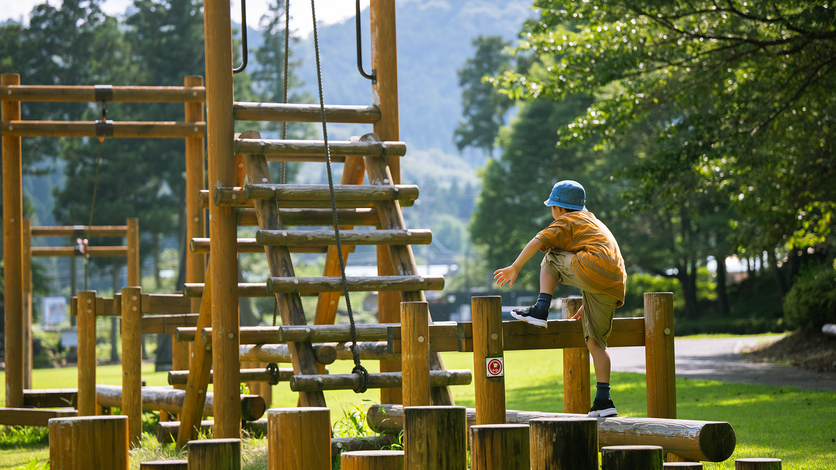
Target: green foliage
x: 17, y: 436
x: 482, y: 106
x: 736, y: 98
x: 639, y: 283
x: 811, y: 302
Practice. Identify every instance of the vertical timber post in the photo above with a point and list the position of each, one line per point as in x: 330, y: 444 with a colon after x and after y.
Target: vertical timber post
x: 27, y: 304
x: 87, y: 353
x: 576, y: 391
x: 12, y: 245
x: 488, y: 361
x: 134, y: 274
x: 415, y: 353
x: 384, y: 57
x: 132, y: 361
x: 659, y: 355
x: 223, y: 251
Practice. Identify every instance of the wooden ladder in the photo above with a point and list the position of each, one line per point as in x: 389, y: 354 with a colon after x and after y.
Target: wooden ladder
x: 273, y: 206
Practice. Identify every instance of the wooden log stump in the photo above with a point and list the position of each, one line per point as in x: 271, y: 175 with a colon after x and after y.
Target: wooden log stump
x: 215, y: 454
x: 500, y: 447
x: 164, y: 465
x: 88, y: 443
x: 757, y: 464
x: 683, y: 465
x: 299, y: 438
x: 372, y: 460
x: 435, y: 438
x: 632, y: 458
x: 564, y: 444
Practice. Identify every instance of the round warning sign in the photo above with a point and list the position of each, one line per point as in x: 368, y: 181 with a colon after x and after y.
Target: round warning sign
x: 495, y: 367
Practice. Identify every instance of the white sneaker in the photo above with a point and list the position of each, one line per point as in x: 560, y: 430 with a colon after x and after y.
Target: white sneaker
x: 525, y: 315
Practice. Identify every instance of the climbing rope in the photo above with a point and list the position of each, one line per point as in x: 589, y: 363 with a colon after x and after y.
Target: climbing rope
x: 286, y: 72
x: 101, y: 128
x: 358, y: 368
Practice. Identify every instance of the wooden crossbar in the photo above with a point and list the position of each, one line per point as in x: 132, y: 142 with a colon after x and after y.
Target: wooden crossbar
x: 167, y: 324
x: 136, y: 94
x: 317, y: 148
x: 80, y: 231
x: 347, y: 237
x: 69, y: 251
x: 245, y: 289
x: 238, y: 197
x: 181, y: 377
x: 438, y: 378
x: 315, y: 285
x: 152, y: 304
x: 292, y: 112
x: 33, y: 417
x: 125, y: 129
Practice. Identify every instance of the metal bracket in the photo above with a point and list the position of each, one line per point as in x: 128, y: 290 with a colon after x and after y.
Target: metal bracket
x: 104, y: 128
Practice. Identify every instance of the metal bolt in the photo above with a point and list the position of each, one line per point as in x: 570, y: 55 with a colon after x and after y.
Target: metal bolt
x: 231, y: 335
x: 420, y: 339
x: 667, y: 331
x: 494, y: 336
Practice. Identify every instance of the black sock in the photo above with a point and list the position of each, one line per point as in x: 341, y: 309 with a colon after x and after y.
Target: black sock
x: 543, y: 302
x: 602, y: 391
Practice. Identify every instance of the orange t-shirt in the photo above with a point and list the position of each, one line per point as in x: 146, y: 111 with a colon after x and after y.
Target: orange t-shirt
x: 597, y: 261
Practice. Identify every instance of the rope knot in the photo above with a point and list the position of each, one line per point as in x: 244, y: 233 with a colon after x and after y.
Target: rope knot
x: 273, y: 369
x: 364, y: 378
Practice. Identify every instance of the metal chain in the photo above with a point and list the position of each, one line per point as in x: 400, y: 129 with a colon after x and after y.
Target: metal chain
x: 358, y: 368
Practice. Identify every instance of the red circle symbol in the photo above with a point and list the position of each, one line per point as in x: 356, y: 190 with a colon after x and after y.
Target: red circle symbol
x: 495, y: 367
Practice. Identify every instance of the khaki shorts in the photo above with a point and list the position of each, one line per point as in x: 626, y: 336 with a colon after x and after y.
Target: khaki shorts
x: 598, y: 308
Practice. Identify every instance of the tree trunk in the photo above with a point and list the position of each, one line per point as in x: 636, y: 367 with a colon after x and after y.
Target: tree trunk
x: 114, y: 323
x: 687, y: 276
x: 779, y: 279
x: 157, y: 280
x: 722, y: 295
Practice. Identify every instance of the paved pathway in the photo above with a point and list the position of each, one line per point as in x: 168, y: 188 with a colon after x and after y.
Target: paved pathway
x: 720, y: 359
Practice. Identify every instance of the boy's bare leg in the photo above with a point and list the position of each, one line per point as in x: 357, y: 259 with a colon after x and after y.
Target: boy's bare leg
x: 601, y: 360
x: 548, y: 283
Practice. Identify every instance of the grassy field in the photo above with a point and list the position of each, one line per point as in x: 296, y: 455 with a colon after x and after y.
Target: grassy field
x: 797, y: 426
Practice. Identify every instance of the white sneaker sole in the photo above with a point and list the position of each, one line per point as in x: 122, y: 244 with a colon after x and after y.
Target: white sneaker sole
x: 603, y: 413
x: 530, y: 320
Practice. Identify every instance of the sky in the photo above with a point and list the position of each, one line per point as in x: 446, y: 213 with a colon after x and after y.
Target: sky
x: 327, y: 11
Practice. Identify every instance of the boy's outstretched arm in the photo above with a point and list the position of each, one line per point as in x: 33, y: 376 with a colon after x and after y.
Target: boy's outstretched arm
x: 510, y: 273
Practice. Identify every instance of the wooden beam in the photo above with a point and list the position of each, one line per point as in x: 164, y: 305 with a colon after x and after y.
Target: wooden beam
x: 315, y: 285
x: 33, y: 417
x: 171, y: 400
x: 168, y: 324
x: 347, y: 237
x: 69, y: 251
x: 438, y: 378
x: 80, y: 93
x: 245, y: 289
x: 181, y: 377
x: 80, y: 231
x: 263, y: 147
x: 51, y: 398
x: 123, y: 130
x: 292, y: 112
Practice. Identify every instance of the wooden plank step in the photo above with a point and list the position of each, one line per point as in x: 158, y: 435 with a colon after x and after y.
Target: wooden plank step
x: 32, y: 416
x: 347, y: 237
x: 311, y: 196
x: 316, y: 148
x: 438, y: 378
x: 316, y: 285
x: 365, y: 217
x: 181, y: 377
x: 293, y: 112
x: 250, y: 245
x: 167, y: 324
x: 51, y: 398
x: 312, y: 333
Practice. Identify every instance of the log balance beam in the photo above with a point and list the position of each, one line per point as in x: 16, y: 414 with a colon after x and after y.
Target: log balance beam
x: 170, y: 400
x: 712, y: 441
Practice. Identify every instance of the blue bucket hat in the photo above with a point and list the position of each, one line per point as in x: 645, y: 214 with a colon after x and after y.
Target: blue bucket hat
x: 567, y: 194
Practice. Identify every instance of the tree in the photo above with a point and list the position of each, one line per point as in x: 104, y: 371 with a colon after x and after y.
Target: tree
x: 747, y: 88
x: 483, y: 108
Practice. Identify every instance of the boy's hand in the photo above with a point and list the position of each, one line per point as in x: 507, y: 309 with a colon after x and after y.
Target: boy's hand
x: 504, y: 275
x: 579, y: 314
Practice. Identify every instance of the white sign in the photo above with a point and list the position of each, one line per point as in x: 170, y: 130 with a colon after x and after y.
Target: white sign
x: 495, y: 367
x: 55, y: 310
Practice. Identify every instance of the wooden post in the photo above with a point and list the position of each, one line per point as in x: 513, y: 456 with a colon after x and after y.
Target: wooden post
x: 164, y: 465
x: 88, y: 443
x: 564, y: 444
x: 631, y: 458
x: 415, y: 353
x: 384, y: 60
x: 372, y: 460
x: 134, y: 266
x: 215, y: 454
x: 87, y: 353
x: 757, y: 464
x: 500, y: 446
x: 27, y: 304
x: 435, y: 438
x: 12, y: 246
x: 576, y: 393
x: 659, y: 354
x: 300, y: 439
x: 223, y: 254
x: 132, y: 361
x: 488, y: 361
x: 195, y: 182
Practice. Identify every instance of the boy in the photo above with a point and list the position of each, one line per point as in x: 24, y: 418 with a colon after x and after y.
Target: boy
x: 580, y: 252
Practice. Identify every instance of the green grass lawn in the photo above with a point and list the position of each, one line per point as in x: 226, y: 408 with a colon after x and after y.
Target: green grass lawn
x: 797, y: 426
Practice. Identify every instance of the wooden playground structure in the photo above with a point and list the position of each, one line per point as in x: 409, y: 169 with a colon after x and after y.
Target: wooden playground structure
x: 414, y: 387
